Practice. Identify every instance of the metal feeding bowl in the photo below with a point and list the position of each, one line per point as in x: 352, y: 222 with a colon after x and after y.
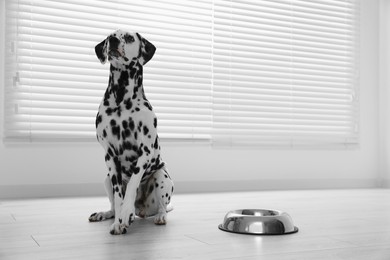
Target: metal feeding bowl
x: 258, y: 222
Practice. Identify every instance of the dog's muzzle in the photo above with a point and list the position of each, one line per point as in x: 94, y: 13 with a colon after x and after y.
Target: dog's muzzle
x: 113, y: 43
x: 114, y: 53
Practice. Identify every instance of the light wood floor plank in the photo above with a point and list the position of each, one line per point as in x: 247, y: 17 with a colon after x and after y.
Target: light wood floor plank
x: 334, y: 224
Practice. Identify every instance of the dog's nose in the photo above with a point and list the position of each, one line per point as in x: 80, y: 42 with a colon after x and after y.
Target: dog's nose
x: 113, y: 42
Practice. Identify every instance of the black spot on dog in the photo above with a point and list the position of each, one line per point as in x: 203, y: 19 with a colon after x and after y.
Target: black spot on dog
x: 127, y: 133
x: 156, y: 143
x: 156, y: 185
x: 146, y: 130
x: 146, y: 149
x: 128, y: 104
x: 106, y: 98
x: 127, y: 146
x: 99, y: 119
x: 107, y: 157
x: 147, y: 104
x: 128, y: 38
x: 109, y: 111
x: 120, y: 89
x: 112, y: 122
x: 155, y: 122
x: 125, y: 124
x: 114, y: 181
x: 151, y: 188
x: 116, y: 131
x: 118, y: 111
x: 123, y: 80
x: 137, y: 109
x: 119, y: 179
x: 131, y: 124
x: 136, y: 170
x: 117, y: 166
x: 132, y: 72
x: 104, y: 133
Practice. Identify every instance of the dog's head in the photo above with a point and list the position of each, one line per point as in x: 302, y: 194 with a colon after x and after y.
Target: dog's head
x: 121, y: 47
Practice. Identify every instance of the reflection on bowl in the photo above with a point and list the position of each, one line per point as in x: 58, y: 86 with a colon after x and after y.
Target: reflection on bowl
x: 258, y: 222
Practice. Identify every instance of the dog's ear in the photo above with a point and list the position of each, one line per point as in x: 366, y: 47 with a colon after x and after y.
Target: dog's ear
x: 101, y: 51
x: 146, y: 50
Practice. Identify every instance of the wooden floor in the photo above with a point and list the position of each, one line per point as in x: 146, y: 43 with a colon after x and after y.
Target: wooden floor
x: 334, y: 224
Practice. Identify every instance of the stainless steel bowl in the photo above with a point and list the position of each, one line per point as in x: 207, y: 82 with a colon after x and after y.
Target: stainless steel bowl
x: 258, y: 222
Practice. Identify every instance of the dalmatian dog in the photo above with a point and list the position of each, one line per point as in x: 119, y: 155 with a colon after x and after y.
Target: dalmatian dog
x: 138, y: 183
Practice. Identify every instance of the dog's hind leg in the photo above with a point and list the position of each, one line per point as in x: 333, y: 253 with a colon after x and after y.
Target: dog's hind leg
x: 158, y: 196
x: 99, y: 216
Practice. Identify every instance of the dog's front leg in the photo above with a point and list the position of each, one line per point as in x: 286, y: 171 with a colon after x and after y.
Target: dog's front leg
x: 127, y: 214
x: 116, y: 180
x: 117, y: 228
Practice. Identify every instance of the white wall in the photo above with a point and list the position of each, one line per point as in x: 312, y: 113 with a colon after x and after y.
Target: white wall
x: 79, y: 169
x: 384, y: 92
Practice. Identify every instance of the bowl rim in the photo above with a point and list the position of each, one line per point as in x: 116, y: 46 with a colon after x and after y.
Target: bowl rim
x: 236, y: 213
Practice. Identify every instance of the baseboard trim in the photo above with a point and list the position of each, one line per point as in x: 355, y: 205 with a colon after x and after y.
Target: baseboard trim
x: 267, y: 185
x: 97, y: 189
x: 51, y: 190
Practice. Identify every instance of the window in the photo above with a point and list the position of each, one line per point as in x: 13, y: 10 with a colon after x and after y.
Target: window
x: 231, y: 72
x: 55, y: 82
x: 285, y: 73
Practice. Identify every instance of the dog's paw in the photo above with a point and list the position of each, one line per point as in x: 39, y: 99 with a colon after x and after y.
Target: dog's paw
x: 127, y: 216
x: 100, y: 216
x: 118, y: 229
x: 140, y: 213
x: 160, y: 218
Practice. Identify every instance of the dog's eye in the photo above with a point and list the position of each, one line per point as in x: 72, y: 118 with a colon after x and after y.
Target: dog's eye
x: 128, y: 38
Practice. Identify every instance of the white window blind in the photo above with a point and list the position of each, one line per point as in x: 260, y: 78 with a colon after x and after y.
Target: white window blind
x: 242, y: 72
x: 285, y: 72
x: 55, y: 83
